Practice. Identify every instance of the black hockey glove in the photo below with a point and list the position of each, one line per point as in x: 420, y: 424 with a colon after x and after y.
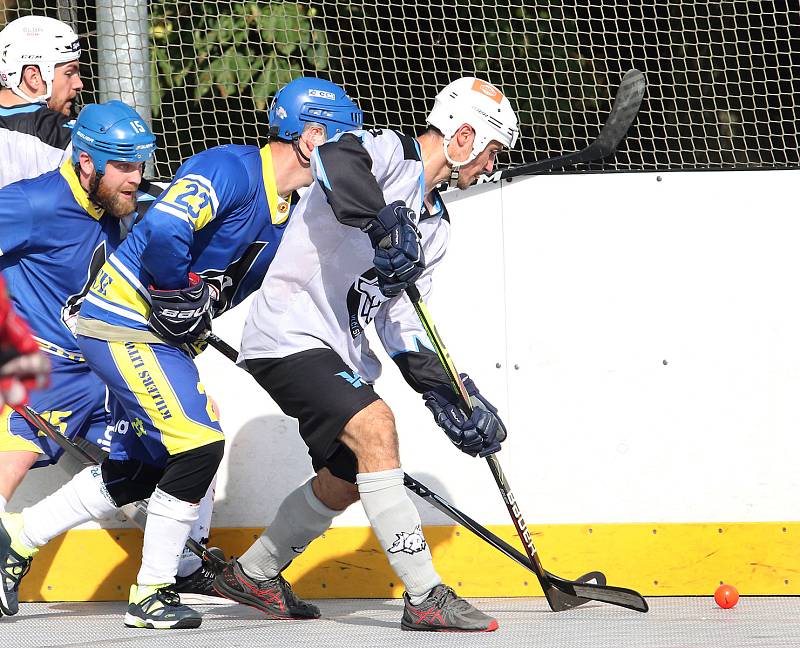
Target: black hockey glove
x: 481, y: 433
x: 398, y: 251
x: 181, y: 316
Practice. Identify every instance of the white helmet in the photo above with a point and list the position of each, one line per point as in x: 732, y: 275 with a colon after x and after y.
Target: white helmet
x: 35, y: 40
x: 480, y: 105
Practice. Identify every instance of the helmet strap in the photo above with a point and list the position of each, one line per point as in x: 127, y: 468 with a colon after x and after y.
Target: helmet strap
x: 98, y: 177
x: 299, y: 152
x: 40, y: 99
x: 455, y: 167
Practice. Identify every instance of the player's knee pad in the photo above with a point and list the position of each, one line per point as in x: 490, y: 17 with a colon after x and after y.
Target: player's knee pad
x: 93, y: 494
x: 168, y: 506
x: 188, y: 475
x: 130, y: 481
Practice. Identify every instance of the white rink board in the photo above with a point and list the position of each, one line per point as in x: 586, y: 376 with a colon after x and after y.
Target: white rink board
x: 587, y: 284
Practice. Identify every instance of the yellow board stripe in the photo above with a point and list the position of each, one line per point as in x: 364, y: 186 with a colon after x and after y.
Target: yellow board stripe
x: 347, y: 562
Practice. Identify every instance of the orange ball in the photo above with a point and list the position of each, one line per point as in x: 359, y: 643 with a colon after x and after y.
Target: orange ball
x: 726, y: 596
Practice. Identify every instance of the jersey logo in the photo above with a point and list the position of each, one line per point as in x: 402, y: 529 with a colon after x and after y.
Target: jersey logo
x: 190, y: 198
x: 69, y: 312
x: 409, y: 543
x: 353, y: 378
x: 363, y: 301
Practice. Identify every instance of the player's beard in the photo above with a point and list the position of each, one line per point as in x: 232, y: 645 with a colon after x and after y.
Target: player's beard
x: 113, y: 200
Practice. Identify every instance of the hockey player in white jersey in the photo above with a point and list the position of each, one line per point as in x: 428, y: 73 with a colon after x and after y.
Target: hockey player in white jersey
x: 39, y: 81
x: 355, y: 244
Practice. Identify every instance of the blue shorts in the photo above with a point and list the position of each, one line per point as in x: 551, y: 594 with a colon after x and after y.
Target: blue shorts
x: 75, y: 402
x: 158, y: 406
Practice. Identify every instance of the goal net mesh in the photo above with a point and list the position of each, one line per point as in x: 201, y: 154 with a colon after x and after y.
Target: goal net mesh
x: 723, y: 76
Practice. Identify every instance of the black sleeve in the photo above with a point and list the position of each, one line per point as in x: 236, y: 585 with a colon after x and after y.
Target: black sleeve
x: 344, y: 172
x: 52, y: 128
x: 422, y: 370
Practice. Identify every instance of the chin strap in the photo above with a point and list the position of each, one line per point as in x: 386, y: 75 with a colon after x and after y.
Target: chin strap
x: 455, y: 167
x: 42, y: 99
x: 98, y: 177
x: 299, y: 152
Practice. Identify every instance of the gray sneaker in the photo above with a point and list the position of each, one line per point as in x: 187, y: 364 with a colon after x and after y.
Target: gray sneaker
x: 273, y: 596
x: 444, y: 611
x: 159, y: 607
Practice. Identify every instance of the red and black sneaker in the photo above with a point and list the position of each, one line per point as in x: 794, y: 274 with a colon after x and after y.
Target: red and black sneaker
x: 444, y: 611
x: 273, y: 596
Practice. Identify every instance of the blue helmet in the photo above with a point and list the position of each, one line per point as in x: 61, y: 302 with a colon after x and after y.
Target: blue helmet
x: 308, y: 99
x: 112, y: 131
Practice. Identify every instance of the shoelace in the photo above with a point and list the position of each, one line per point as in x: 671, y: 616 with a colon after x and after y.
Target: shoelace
x: 17, y: 568
x: 288, y: 593
x: 447, y: 593
x: 168, y: 597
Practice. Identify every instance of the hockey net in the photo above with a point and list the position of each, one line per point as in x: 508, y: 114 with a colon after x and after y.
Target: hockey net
x: 723, y: 76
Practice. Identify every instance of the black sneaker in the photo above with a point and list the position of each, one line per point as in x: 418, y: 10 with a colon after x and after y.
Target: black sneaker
x: 159, y: 608
x: 444, y: 611
x: 200, y: 582
x: 15, y: 561
x: 273, y: 596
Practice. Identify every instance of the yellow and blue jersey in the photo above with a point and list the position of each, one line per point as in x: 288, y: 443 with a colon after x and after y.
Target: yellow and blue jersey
x: 220, y: 218
x: 53, y: 240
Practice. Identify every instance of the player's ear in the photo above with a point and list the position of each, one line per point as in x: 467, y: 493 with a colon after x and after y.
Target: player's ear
x: 461, y: 141
x: 32, y: 77
x: 87, y: 165
x: 465, y: 135
x: 315, y: 136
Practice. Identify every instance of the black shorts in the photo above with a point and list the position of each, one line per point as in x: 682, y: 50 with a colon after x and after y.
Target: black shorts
x: 323, y: 393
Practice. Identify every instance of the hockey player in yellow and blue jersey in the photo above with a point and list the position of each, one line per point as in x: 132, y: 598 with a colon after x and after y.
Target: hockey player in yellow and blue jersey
x: 204, y: 245
x: 55, y: 234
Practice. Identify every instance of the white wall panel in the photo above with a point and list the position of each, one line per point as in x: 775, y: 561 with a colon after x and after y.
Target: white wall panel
x: 579, y: 288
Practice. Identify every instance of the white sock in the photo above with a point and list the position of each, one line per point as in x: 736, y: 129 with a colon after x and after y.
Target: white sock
x: 81, y: 499
x: 3, y: 502
x: 169, y: 520
x: 301, y: 518
x: 191, y: 562
x: 397, y: 525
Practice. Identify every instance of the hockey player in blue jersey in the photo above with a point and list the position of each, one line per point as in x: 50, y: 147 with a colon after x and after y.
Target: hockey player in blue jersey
x: 203, y: 247
x: 55, y: 233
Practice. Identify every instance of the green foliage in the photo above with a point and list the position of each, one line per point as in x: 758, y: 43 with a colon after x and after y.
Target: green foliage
x: 543, y: 91
x: 229, y: 48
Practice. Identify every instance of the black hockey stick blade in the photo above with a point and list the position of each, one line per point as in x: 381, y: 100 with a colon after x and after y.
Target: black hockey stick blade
x: 564, y: 600
x: 564, y: 592
x: 136, y: 511
x: 623, y: 113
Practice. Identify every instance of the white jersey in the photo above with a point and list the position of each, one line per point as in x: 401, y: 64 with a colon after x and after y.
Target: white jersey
x: 321, y: 290
x: 33, y: 141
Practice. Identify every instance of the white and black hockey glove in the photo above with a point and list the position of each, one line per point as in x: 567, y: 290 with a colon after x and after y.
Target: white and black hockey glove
x: 478, y: 434
x: 398, y: 256
x: 183, y: 315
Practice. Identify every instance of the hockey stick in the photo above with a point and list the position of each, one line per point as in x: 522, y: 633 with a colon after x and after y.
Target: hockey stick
x: 442, y: 505
x: 623, y: 113
x: 136, y: 511
x: 560, y: 593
